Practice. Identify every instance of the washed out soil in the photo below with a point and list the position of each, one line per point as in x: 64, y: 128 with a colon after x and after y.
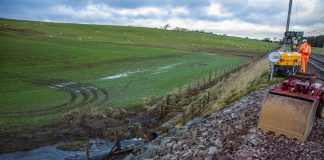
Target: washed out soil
x: 83, y: 129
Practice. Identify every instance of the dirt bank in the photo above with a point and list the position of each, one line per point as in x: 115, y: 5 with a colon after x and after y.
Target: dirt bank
x: 77, y: 127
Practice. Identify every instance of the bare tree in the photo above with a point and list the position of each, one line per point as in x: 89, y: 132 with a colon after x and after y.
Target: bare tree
x: 166, y: 26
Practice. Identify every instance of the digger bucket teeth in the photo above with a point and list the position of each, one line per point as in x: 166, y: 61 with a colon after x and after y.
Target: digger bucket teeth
x: 292, y: 117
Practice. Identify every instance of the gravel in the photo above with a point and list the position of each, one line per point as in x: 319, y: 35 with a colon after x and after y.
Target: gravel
x: 232, y: 133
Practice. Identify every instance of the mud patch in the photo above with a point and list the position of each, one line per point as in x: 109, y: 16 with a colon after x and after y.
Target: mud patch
x: 82, y: 126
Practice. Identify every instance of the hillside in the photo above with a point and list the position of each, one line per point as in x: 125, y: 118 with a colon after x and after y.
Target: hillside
x: 53, y: 72
x: 193, y: 41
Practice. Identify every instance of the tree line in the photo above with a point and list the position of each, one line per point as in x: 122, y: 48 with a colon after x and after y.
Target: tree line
x: 316, y: 41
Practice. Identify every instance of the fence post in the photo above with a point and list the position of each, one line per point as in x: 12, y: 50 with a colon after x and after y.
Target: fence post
x: 191, y: 110
x: 168, y: 99
x: 189, y: 86
x: 204, y: 104
x: 161, y: 109
x: 210, y: 74
x: 184, y: 117
x: 87, y: 148
x: 198, y: 82
x: 179, y: 92
x: 201, y: 104
x: 204, y: 80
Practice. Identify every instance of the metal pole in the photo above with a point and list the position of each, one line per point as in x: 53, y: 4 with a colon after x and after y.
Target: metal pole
x: 288, y: 18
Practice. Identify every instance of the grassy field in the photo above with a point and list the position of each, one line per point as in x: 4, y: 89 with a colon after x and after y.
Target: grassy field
x: 48, y: 69
x: 318, y: 50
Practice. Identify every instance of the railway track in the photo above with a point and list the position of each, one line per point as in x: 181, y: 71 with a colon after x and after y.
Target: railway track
x: 317, y: 64
x: 317, y: 61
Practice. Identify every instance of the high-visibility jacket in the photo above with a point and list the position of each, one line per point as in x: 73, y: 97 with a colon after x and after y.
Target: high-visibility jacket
x: 305, y: 49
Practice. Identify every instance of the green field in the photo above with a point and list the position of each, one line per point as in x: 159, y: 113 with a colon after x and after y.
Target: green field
x: 318, y: 50
x: 48, y: 69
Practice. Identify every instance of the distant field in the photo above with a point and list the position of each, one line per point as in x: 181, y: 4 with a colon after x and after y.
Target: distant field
x: 318, y: 50
x: 192, y: 41
x: 48, y: 69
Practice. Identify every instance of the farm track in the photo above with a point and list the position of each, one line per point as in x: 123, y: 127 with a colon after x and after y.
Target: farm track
x: 81, y: 95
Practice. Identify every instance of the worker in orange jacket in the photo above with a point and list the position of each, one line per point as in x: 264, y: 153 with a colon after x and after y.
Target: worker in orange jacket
x: 305, y: 51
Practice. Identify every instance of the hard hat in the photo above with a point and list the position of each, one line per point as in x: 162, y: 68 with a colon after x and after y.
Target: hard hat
x: 304, y: 40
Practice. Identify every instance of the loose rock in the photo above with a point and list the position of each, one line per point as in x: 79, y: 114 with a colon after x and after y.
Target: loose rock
x: 232, y: 133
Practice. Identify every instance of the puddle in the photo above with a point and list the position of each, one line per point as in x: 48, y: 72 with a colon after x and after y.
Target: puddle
x: 211, y: 54
x: 168, y: 66
x: 120, y: 75
x: 115, y: 76
x: 164, y: 69
x: 159, y: 70
x: 98, y: 148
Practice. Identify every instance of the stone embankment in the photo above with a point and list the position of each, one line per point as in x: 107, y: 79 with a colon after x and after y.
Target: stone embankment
x: 232, y: 133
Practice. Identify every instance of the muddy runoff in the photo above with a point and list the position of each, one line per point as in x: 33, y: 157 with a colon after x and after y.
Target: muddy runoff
x: 100, y: 132
x: 77, y: 126
x: 97, y: 148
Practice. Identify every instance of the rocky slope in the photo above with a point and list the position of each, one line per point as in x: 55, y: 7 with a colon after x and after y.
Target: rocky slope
x: 232, y: 133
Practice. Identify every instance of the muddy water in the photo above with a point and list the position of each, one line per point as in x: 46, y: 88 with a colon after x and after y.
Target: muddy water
x: 98, y: 148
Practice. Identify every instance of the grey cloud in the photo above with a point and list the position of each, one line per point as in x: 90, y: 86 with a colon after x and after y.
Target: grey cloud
x: 269, y: 13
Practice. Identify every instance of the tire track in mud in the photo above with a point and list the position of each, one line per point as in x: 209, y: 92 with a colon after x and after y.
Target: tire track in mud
x: 81, y: 95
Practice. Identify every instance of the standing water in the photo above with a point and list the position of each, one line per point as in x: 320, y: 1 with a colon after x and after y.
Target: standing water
x: 98, y: 148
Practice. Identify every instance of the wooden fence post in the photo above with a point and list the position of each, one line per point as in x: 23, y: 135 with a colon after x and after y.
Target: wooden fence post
x: 204, y: 100
x: 179, y: 92
x: 161, y: 109
x: 210, y: 74
x: 198, y: 82
x: 167, y: 99
x: 191, y: 110
x: 184, y: 117
x: 87, y: 149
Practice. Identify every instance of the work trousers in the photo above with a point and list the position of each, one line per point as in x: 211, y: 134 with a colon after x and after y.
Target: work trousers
x: 304, y: 61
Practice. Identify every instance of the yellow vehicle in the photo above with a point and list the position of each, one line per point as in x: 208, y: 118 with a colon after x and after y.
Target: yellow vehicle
x: 289, y: 63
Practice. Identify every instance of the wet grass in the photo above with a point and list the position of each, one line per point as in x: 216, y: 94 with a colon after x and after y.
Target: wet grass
x: 263, y: 81
x: 137, y: 36
x: 37, y: 51
x: 318, y: 50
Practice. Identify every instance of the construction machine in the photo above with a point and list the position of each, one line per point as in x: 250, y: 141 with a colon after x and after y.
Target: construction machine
x: 290, y: 107
x: 288, y: 63
x: 290, y: 60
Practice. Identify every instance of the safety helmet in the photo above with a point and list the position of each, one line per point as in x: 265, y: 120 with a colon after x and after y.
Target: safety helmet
x: 304, y: 40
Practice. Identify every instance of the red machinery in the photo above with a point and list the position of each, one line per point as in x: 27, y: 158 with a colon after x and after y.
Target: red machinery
x: 291, y: 106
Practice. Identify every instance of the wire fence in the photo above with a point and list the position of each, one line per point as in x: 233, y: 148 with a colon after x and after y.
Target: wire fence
x: 192, y: 99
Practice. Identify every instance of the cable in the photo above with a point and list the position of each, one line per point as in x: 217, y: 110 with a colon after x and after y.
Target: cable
x: 319, y: 18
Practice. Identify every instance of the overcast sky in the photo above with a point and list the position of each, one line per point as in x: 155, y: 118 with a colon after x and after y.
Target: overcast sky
x: 253, y: 18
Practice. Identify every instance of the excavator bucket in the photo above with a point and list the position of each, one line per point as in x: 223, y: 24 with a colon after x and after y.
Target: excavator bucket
x: 287, y: 115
